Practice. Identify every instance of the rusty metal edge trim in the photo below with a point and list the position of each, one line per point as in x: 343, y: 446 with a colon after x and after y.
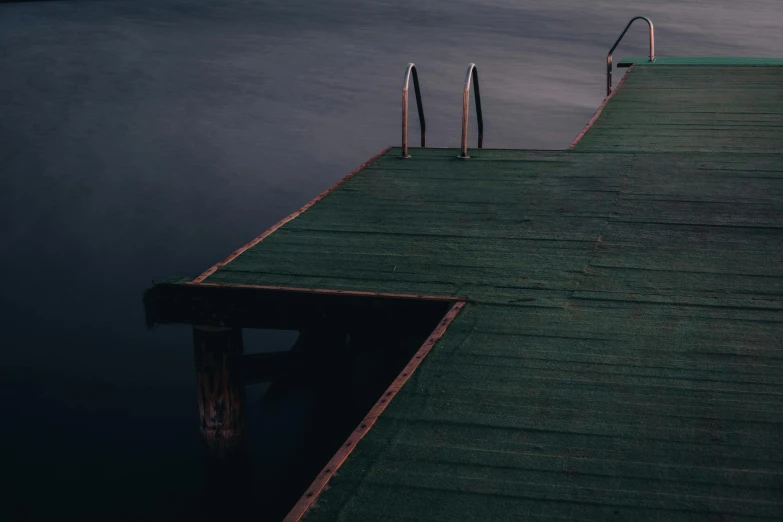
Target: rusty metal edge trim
x: 285, y: 220
x: 601, y: 109
x: 318, y: 485
x: 321, y: 291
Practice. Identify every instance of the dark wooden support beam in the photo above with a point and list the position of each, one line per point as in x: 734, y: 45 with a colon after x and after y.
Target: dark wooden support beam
x: 286, y: 309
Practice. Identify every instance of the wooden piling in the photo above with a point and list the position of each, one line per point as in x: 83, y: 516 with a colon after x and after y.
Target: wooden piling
x: 221, y: 393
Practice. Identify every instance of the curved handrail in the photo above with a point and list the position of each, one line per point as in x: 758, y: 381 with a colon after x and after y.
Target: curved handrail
x: 422, y: 125
x: 609, y: 56
x: 472, y: 73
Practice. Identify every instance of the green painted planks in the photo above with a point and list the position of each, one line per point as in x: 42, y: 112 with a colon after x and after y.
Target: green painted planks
x: 672, y: 108
x: 510, y: 220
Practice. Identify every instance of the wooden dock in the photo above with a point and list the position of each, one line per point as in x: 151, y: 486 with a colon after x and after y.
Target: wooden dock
x: 611, y: 345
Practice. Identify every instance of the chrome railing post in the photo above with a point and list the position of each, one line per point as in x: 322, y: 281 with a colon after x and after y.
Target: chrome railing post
x: 411, y: 70
x: 611, y: 51
x: 472, y: 74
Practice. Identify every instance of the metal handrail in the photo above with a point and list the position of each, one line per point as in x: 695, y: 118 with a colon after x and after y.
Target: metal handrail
x: 422, y: 125
x: 472, y: 73
x: 609, y: 56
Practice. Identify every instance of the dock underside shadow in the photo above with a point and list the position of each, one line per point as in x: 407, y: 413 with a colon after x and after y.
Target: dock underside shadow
x: 353, y: 353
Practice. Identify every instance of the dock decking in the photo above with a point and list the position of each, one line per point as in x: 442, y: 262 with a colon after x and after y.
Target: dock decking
x: 620, y: 351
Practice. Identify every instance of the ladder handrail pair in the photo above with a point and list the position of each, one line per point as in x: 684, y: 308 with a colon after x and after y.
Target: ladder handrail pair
x: 472, y: 75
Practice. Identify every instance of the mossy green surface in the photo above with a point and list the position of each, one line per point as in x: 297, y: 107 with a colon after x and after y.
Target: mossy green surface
x: 621, y: 354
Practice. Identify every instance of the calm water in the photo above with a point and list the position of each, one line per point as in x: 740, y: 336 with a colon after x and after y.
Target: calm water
x: 144, y: 139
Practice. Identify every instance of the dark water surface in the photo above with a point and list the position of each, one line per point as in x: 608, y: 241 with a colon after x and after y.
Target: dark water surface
x: 145, y: 139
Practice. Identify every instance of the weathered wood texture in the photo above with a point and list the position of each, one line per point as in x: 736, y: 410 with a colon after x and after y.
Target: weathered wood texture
x: 221, y: 391
x: 620, y: 354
